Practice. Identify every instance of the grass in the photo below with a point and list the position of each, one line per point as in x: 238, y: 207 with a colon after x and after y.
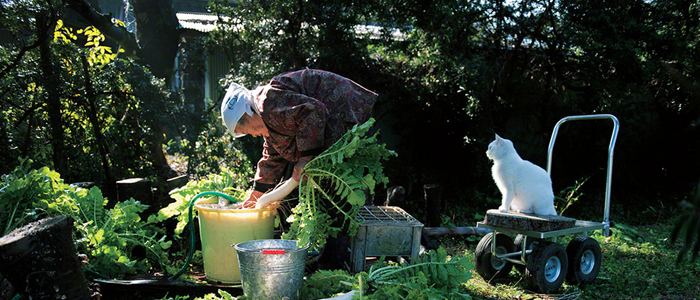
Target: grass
x: 639, y: 262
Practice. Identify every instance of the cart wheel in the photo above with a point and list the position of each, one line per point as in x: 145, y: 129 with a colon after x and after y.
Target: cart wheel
x: 486, y: 264
x: 585, y: 260
x: 547, y: 266
x: 531, y: 242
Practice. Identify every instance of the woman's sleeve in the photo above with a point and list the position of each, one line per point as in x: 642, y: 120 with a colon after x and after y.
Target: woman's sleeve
x: 270, y: 169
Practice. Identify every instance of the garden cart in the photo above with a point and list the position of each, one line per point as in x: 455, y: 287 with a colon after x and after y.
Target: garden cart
x: 535, y: 252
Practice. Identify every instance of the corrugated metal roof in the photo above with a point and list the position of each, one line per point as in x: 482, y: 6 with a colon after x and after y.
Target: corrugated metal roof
x: 205, y: 22
x: 202, y: 22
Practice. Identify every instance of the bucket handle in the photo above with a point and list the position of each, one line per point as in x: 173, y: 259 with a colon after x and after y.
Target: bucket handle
x: 264, y: 251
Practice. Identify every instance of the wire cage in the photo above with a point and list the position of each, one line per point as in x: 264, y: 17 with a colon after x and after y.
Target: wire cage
x: 385, y: 231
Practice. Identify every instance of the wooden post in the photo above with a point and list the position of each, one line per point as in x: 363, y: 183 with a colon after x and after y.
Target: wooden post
x: 40, y: 261
x: 433, y: 203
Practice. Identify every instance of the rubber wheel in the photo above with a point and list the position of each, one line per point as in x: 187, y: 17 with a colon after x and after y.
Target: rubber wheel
x: 531, y: 241
x: 486, y: 264
x: 547, y: 266
x: 584, y: 260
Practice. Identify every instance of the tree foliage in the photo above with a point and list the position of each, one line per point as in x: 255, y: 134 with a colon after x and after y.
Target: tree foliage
x: 463, y: 70
x: 457, y: 72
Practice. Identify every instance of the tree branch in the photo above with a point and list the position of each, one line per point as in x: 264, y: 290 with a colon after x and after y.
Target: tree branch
x: 18, y: 58
x: 126, y: 39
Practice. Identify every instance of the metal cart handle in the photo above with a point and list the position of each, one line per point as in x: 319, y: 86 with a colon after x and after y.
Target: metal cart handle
x: 611, y: 147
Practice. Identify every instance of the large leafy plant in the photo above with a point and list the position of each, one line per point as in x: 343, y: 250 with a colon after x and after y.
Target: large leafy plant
x: 335, y: 186
x: 434, y: 275
x: 107, y: 236
x: 228, y: 182
x: 21, y: 190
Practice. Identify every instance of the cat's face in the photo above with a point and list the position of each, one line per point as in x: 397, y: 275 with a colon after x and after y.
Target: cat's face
x: 498, y: 148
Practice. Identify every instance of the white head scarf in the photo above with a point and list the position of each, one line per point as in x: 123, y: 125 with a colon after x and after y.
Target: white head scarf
x: 237, y: 101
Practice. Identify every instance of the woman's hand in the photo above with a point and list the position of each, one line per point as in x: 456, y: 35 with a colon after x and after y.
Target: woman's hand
x: 252, y: 199
x: 299, y: 166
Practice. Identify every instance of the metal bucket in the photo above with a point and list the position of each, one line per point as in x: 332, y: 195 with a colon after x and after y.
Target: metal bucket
x: 271, y: 269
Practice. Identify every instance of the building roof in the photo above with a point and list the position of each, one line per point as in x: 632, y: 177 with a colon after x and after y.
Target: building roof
x: 206, y: 22
x: 202, y: 22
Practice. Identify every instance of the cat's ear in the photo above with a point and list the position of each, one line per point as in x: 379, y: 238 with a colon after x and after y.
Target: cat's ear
x: 498, y: 138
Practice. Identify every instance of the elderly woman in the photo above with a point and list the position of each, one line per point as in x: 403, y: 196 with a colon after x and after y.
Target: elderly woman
x: 299, y: 114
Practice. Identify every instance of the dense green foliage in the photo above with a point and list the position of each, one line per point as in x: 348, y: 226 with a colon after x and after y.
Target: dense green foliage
x: 68, y: 102
x: 106, y: 108
x: 337, y: 183
x: 116, y: 241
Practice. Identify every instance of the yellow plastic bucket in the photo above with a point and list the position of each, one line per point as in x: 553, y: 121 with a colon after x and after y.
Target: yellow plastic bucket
x: 221, y: 228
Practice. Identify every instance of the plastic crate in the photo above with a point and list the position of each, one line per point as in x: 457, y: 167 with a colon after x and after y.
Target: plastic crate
x: 385, y: 231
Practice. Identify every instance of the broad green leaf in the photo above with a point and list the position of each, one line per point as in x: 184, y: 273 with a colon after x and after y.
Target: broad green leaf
x: 166, y: 245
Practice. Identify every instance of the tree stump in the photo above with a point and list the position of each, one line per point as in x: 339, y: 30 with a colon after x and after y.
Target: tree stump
x: 177, y: 182
x: 137, y: 188
x: 531, y: 222
x: 40, y: 261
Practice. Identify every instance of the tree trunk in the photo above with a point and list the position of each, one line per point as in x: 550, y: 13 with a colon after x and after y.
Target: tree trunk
x: 91, y: 110
x: 157, y: 35
x: 40, y: 261
x: 45, y: 25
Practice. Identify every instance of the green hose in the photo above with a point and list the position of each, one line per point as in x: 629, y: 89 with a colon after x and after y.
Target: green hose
x: 192, y: 237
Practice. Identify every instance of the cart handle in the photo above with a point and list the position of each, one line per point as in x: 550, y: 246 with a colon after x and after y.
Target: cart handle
x: 611, y: 148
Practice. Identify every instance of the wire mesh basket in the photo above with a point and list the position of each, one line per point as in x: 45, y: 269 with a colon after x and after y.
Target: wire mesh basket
x: 385, y: 231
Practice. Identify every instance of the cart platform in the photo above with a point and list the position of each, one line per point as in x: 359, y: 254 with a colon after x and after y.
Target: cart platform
x: 580, y: 227
x: 542, y: 227
x: 531, y: 222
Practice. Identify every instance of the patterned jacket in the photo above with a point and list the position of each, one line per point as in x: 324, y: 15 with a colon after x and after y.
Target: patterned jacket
x: 306, y: 112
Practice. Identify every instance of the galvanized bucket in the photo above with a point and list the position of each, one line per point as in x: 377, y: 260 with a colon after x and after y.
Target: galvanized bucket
x: 271, y: 269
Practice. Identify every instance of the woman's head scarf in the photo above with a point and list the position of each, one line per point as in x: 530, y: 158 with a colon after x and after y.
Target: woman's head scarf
x: 237, y: 101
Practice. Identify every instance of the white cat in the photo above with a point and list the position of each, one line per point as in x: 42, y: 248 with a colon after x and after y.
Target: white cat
x: 526, y: 188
